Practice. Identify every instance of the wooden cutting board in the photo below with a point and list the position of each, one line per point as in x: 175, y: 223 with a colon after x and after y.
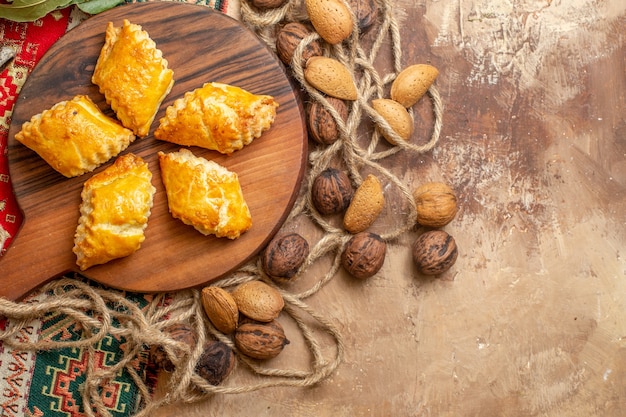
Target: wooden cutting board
x: 201, y: 45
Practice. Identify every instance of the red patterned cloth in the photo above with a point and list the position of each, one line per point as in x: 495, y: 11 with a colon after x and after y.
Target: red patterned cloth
x: 30, y: 41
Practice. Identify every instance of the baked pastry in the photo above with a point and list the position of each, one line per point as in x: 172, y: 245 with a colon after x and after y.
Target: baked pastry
x: 217, y: 116
x: 74, y: 136
x: 114, y: 212
x: 204, y: 194
x: 133, y: 76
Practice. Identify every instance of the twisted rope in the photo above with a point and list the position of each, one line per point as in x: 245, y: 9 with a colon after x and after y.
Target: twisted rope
x: 101, y: 312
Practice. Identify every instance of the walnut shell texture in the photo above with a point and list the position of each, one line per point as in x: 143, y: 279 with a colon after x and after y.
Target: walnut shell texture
x: 288, y: 39
x: 216, y: 362
x: 366, y: 13
x: 434, y: 252
x: 436, y: 204
x: 284, y: 256
x: 180, y: 332
x: 364, y: 255
x: 322, y: 126
x: 261, y: 340
x: 332, y: 191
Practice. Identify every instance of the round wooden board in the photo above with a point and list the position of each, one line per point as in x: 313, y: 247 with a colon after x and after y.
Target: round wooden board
x: 201, y: 45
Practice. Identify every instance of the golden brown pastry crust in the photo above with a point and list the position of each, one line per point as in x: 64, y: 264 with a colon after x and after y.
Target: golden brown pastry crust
x: 74, y: 136
x: 133, y: 76
x: 217, y: 116
x: 204, y: 194
x: 114, y: 212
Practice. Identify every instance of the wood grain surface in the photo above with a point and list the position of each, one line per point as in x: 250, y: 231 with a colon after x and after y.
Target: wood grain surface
x: 201, y: 45
x: 531, y: 320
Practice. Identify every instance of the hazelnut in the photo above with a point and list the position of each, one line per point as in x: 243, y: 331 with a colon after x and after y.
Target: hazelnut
x: 284, y: 256
x: 268, y: 4
x: 258, y: 301
x: 322, y: 126
x: 331, y: 191
x: 434, y: 252
x: 366, y: 13
x: 179, y: 332
x: 261, y: 340
x: 216, y: 362
x: 221, y: 308
x: 435, y: 203
x: 288, y: 39
x: 364, y: 255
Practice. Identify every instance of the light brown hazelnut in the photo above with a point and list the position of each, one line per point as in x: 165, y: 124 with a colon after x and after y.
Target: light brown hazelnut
x: 322, y: 126
x: 434, y: 252
x: 364, y: 255
x: 261, y: 340
x: 216, y: 362
x: 288, y: 39
x: 258, y: 301
x: 435, y: 203
x: 284, y: 256
x: 331, y: 191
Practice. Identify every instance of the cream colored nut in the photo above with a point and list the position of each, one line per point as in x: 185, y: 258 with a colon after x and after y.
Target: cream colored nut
x: 367, y: 203
x: 331, y: 77
x: 258, y: 301
x: 412, y: 83
x: 331, y: 19
x: 436, y: 204
x: 221, y: 308
x: 396, y: 116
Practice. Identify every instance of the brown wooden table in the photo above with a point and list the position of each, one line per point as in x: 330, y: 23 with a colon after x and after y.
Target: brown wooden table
x: 531, y: 321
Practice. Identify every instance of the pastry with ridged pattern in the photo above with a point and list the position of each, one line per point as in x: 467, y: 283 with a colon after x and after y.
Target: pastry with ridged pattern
x: 75, y: 136
x: 116, y: 205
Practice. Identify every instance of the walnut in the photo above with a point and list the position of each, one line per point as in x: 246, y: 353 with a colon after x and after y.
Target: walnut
x: 331, y: 191
x: 216, y: 362
x: 434, y: 252
x: 366, y: 13
x: 322, y: 126
x: 284, y: 256
x: 288, y: 39
x: 268, y: 4
x: 260, y: 340
x: 364, y: 255
x: 179, y: 332
x: 435, y: 203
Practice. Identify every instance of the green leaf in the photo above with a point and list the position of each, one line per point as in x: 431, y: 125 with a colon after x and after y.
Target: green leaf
x: 97, y: 6
x: 30, y: 10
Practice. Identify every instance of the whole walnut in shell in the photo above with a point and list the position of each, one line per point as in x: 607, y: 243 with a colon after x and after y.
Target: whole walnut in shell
x: 436, y: 204
x: 284, y: 256
x: 364, y: 255
x: 179, y: 332
x: 289, y: 38
x: 216, y: 362
x: 331, y: 191
x: 261, y: 340
x: 321, y: 123
x: 434, y: 252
